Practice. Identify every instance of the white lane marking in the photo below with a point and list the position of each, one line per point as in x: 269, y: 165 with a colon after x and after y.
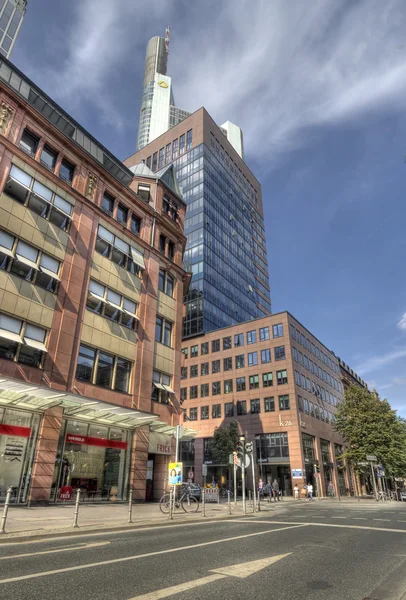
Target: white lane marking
x: 401, y: 521
x: 381, y: 519
x: 148, y: 554
x: 80, y: 547
x: 364, y: 527
x: 338, y: 517
x: 359, y: 519
x: 319, y: 517
x: 241, y: 571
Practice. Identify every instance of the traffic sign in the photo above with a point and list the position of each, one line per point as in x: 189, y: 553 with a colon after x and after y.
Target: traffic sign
x: 204, y: 470
x: 238, y: 461
x: 371, y: 457
x: 362, y: 464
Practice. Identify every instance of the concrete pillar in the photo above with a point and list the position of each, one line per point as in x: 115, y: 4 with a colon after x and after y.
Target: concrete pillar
x: 138, y: 464
x: 45, y: 455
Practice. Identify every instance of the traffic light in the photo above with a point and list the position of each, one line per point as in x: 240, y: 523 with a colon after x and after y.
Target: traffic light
x: 240, y: 449
x: 248, y: 448
x: 317, y: 468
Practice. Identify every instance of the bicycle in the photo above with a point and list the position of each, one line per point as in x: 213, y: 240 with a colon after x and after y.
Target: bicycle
x: 187, y: 502
x: 224, y: 493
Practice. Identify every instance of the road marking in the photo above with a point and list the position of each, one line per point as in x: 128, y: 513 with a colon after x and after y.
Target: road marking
x: 338, y: 517
x: 360, y: 519
x: 363, y: 527
x: 381, y: 519
x: 320, y: 517
x: 242, y: 571
x: 148, y: 554
x: 401, y: 521
x: 80, y: 547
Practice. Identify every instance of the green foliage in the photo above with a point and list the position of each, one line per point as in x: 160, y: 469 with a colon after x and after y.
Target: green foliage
x: 370, y: 426
x: 224, y: 442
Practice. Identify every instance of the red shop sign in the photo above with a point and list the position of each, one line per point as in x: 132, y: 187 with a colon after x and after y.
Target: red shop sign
x: 71, y: 438
x: 15, y: 430
x: 65, y: 492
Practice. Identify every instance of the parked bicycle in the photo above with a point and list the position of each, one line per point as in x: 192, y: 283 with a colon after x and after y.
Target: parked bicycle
x: 186, y: 501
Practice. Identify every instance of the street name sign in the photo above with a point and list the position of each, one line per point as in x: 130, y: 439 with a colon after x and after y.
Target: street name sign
x: 371, y: 457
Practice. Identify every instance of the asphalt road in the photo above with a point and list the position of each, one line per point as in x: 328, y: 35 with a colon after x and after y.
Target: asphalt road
x: 303, y: 550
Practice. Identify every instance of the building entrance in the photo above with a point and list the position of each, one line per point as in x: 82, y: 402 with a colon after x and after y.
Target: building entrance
x: 281, y: 473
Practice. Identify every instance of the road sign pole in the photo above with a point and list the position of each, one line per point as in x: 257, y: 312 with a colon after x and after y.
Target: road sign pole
x: 203, y: 503
x: 374, y: 482
x: 243, y: 484
x: 235, y: 483
x: 316, y: 477
x: 76, y: 513
x: 229, y: 501
x: 5, y: 511
x: 253, y: 483
x: 130, y: 506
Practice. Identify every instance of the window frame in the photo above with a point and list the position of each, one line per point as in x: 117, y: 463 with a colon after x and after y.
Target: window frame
x: 94, y: 375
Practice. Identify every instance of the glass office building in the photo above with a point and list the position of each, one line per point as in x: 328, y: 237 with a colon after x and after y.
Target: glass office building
x: 11, y: 17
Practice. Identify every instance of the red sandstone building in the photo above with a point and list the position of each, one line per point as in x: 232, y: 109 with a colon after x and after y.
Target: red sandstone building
x: 91, y: 289
x: 282, y: 386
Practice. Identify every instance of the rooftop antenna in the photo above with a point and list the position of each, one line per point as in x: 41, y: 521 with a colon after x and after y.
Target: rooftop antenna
x: 167, y: 38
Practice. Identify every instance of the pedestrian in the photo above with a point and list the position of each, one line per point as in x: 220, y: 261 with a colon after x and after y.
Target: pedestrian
x: 310, y: 492
x: 296, y: 491
x: 260, y: 489
x: 275, y: 489
x: 269, y: 490
x: 331, y: 490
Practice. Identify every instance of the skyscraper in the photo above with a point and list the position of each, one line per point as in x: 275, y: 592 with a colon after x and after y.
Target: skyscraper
x: 11, y: 17
x: 226, y: 246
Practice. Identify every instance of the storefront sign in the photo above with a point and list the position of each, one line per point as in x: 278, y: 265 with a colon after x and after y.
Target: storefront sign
x: 65, y: 492
x: 297, y: 473
x: 93, y: 441
x: 211, y: 494
x: 15, y: 431
x: 175, y: 473
x: 284, y: 423
x: 159, y: 443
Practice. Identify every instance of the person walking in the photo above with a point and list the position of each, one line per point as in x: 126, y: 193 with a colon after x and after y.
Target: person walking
x: 275, y: 490
x: 296, y: 492
x: 331, y: 490
x: 260, y: 489
x: 310, y: 492
x: 269, y: 490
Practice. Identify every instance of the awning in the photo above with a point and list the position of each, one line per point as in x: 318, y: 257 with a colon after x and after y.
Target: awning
x: 131, y: 314
x: 7, y: 251
x: 9, y: 335
x: 49, y: 273
x: 35, y: 344
x: 99, y: 298
x: 158, y: 385
x: 27, y: 261
x: 168, y: 389
x: 137, y: 258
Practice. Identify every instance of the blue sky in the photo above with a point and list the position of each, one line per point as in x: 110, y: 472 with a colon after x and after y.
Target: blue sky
x: 319, y: 89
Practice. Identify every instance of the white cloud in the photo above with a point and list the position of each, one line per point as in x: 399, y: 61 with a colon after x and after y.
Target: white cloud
x: 402, y: 323
x: 377, y: 362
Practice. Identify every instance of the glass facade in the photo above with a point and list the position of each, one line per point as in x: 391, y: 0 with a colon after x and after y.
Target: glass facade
x: 229, y: 283
x: 11, y: 16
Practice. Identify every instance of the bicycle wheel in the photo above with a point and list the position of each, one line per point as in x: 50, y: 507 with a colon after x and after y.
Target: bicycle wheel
x: 190, y: 504
x: 164, y: 504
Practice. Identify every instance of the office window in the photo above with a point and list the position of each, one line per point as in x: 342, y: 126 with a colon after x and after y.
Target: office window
x: 194, y: 351
x: 166, y: 284
x: 144, y: 192
x: 255, y: 406
x: 107, y: 203
x: 227, y: 363
x: 122, y: 214
x: 266, y: 356
x: 308, y: 343
x: 204, y: 413
x: 204, y: 368
x: 294, y: 354
x: 316, y: 369
x: 306, y: 406
x: 171, y: 250
x: 119, y: 252
x: 277, y: 330
x: 149, y: 161
x: 303, y: 340
x: 215, y: 388
x: 161, y: 388
x: 300, y: 357
x: 317, y: 411
x: 216, y: 411
x: 280, y: 353
x: 111, y: 305
x: 269, y: 404
x: 254, y: 382
x: 229, y: 409
x: 306, y: 362
x: 112, y: 372
x: 215, y: 346
x: 193, y: 414
x: 161, y: 157
x: 215, y: 366
x: 163, y: 331
x: 303, y: 381
x: 227, y: 343
x: 194, y: 371
x: 251, y: 337
x: 282, y: 376
x: 228, y: 386
x: 66, y: 171
x: 204, y: 390
x: 308, y: 387
x: 300, y: 403
x: 252, y: 359
x: 297, y: 378
x: 239, y: 361
x: 185, y: 352
x: 135, y: 224
x: 48, y: 158
x: 204, y: 348
x: 183, y: 395
x: 162, y: 243
x: 182, y: 144
x: 22, y: 341
x: 239, y: 339
x: 313, y: 349
x: 189, y: 139
x: 310, y: 366
x: 292, y: 331
x: 193, y: 392
x: 183, y: 372
x: 263, y: 334
x: 241, y: 407
x: 168, y: 153
x: 284, y: 403
x: 311, y: 409
x: 29, y: 142
x: 175, y: 146
x: 267, y: 379
x: 240, y: 381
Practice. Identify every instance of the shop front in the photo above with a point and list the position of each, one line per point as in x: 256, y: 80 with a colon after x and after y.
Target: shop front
x: 18, y: 435
x: 274, y: 461
x: 160, y: 450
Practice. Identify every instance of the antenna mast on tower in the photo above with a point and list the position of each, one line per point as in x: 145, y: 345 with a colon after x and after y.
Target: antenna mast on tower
x: 167, y: 38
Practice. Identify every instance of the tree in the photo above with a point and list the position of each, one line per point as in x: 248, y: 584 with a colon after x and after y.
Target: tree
x: 224, y: 442
x: 370, y: 426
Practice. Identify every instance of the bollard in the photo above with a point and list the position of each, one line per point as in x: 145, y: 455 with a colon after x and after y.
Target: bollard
x: 249, y: 496
x: 76, y: 514
x: 170, y: 505
x: 5, y: 511
x: 130, y: 507
x: 259, y: 503
x: 229, y: 501
x: 203, y: 504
